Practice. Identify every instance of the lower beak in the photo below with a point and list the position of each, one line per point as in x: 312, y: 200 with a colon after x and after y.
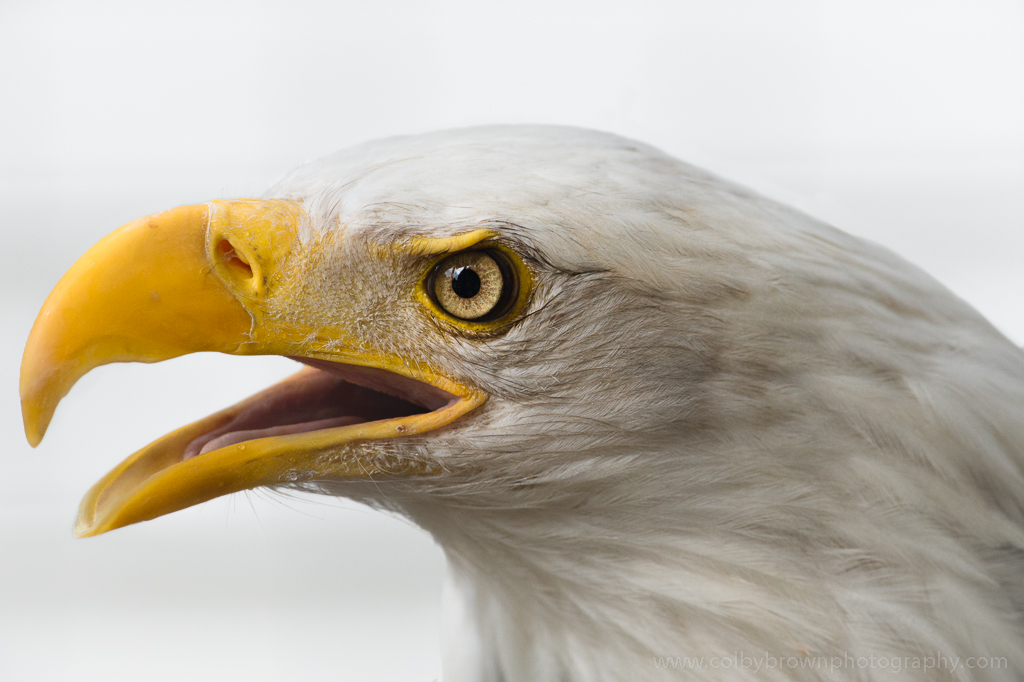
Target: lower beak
x: 195, y: 279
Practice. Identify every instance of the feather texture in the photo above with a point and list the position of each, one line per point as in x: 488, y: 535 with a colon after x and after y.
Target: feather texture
x: 721, y: 430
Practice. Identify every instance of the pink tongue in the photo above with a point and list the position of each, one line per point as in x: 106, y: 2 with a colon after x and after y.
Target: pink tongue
x: 240, y: 436
x: 313, y: 400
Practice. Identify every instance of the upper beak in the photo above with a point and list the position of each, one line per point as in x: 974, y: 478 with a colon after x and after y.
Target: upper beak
x: 195, y: 279
x: 145, y: 293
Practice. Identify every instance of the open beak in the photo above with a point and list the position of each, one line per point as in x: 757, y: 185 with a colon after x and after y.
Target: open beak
x: 197, y: 278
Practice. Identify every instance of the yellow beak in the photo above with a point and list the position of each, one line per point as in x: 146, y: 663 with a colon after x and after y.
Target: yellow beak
x: 195, y: 279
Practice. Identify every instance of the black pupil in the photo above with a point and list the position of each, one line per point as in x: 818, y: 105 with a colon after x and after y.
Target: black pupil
x: 465, y: 282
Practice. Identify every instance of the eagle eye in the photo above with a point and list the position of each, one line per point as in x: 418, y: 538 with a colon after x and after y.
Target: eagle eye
x: 473, y: 285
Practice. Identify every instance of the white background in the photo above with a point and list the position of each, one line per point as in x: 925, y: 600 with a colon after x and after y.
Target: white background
x: 899, y: 121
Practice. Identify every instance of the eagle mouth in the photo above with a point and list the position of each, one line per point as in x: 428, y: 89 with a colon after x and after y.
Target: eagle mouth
x: 327, y: 395
x: 315, y: 424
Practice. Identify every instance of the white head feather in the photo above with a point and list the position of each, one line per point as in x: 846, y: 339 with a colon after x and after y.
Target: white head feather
x: 722, y: 427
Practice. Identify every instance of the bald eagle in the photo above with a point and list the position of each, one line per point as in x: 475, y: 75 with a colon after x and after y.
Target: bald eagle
x: 662, y: 427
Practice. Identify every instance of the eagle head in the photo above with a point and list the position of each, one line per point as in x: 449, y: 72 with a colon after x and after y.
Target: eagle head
x: 646, y: 413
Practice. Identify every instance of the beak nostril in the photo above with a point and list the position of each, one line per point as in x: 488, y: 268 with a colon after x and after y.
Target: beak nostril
x: 234, y: 259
